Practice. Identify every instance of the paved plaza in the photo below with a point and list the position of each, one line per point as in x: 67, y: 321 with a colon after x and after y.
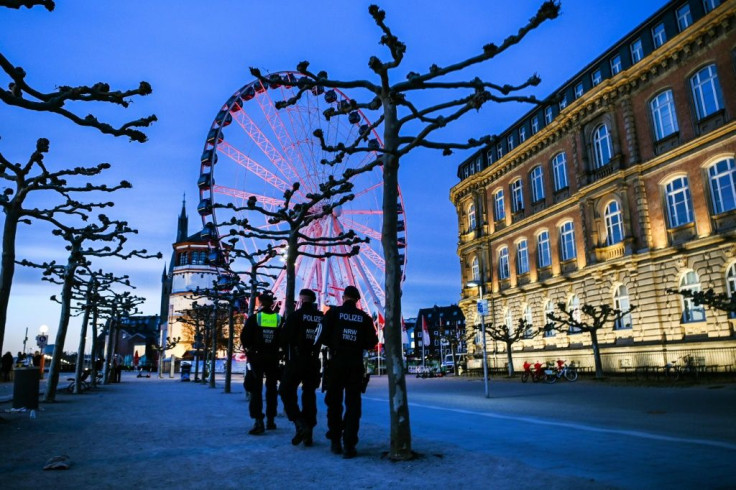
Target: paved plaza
x: 163, y: 433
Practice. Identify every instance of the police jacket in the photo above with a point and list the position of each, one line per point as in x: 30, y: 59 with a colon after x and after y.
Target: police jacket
x: 347, y: 331
x: 260, y: 335
x: 300, y: 331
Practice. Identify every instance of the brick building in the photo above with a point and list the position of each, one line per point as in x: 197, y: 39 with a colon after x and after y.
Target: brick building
x: 621, y: 185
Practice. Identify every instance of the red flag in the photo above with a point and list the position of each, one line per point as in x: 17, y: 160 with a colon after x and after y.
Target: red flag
x: 381, y: 325
x: 425, y: 332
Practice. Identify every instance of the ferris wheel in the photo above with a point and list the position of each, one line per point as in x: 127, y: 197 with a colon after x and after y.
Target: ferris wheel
x: 254, y: 149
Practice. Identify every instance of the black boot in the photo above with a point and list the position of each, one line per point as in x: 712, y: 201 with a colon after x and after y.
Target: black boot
x: 336, y: 447
x: 257, y: 428
x: 270, y: 424
x: 299, y: 434
x: 349, y: 452
x: 308, y: 441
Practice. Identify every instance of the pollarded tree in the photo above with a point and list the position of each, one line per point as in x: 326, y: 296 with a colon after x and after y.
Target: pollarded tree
x: 592, y: 319
x: 718, y: 301
x: 59, y: 189
x: 107, y: 239
x: 407, y: 127
x: 510, y: 336
x: 118, y: 305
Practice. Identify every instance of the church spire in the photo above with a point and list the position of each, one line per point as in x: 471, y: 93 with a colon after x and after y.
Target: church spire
x: 182, y: 228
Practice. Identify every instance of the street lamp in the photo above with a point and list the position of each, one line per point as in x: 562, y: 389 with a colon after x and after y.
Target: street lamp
x: 482, y: 310
x: 42, y: 341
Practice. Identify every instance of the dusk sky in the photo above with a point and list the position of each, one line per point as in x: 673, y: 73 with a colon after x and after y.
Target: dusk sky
x: 196, y: 54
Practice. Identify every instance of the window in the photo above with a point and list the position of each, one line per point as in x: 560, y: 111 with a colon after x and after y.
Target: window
x: 183, y: 258
x: 663, y: 115
x: 563, y: 102
x: 707, y: 94
x: 621, y: 302
x: 548, y: 116
x: 679, y: 205
x: 691, y: 312
x: 579, y: 90
x: 684, y: 17
x: 198, y: 258
x: 478, y: 163
x: 503, y: 263
x: 508, y: 320
x: 567, y: 241
x: 535, y: 124
x: 499, y: 209
x: 489, y: 157
x: 709, y: 5
x: 637, y: 51
x: 544, y: 255
x: 529, y: 320
x: 510, y: 142
x: 559, y: 170
x: 659, y: 36
x: 722, y: 178
x: 517, y: 196
x: 522, y: 258
x: 522, y: 134
x: 573, y: 306
x: 499, y: 151
x: 601, y: 146
x: 476, y: 269
x: 471, y: 217
x: 616, y: 65
x: 614, y: 223
x: 549, y: 308
x: 537, y: 184
x: 731, y: 284
x: 596, y: 77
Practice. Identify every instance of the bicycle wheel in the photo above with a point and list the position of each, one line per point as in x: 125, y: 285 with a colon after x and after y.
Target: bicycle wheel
x: 524, y: 377
x: 550, y: 379
x: 571, y: 374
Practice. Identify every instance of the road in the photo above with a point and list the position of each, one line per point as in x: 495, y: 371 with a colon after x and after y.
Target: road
x: 619, y: 435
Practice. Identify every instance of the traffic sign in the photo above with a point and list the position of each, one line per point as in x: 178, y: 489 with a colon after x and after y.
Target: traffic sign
x: 42, y: 341
x: 483, y: 306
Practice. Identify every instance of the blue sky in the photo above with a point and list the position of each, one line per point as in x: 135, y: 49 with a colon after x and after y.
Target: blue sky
x: 196, y: 54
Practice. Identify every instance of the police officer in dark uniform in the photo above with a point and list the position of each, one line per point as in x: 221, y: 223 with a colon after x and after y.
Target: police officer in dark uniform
x: 347, y: 331
x: 260, y: 338
x: 302, y: 366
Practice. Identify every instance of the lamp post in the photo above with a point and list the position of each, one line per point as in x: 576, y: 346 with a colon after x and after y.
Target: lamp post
x: 482, y: 307
x: 42, y: 341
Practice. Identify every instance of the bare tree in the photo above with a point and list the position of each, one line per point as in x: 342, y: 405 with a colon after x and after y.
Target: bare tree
x: 718, y: 301
x: 24, y: 180
x: 500, y: 333
x: 596, y: 318
x: 399, y: 118
x: 109, y: 237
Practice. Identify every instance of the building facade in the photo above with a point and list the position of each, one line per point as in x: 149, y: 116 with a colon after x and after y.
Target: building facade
x: 622, y: 184
x: 445, y: 325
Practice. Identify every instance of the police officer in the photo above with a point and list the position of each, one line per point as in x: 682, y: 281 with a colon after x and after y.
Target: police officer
x: 260, y: 338
x: 302, y: 366
x: 346, y: 331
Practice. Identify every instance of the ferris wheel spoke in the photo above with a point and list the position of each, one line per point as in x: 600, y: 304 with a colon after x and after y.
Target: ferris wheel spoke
x: 251, y: 165
x: 377, y: 293
x: 365, y: 230
x: 362, y: 211
x: 271, y: 202
x: 377, y: 185
x: 265, y: 145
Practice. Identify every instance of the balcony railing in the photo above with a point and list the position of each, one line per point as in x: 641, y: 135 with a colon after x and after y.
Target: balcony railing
x: 611, y: 252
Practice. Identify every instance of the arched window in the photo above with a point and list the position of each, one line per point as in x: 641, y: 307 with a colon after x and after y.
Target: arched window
x: 529, y: 320
x: 722, y: 178
x: 549, y: 307
x: 601, y: 146
x: 664, y: 118
x: 731, y: 284
x: 471, y: 217
x: 679, y: 204
x: 537, y: 181
x: 503, y: 263
x: 522, y: 257
x: 567, y: 241
x: 517, y: 196
x: 499, y: 209
x: 476, y: 269
x: 690, y: 312
x: 706, y: 90
x: 544, y: 254
x: 614, y: 223
x: 621, y: 302
x: 559, y: 170
x: 573, y: 306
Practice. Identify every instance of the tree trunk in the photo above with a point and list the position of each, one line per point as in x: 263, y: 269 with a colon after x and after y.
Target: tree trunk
x: 66, y: 299
x: 510, y: 359
x: 213, y: 350
x: 80, y: 351
x: 95, y: 346
x: 596, y: 354
x: 400, y: 448
x: 291, y: 254
x: 7, y: 268
x: 230, y: 335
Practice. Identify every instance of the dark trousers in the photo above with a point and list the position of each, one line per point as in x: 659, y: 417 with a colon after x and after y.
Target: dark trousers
x: 304, y: 371
x: 344, y: 381
x: 269, y: 369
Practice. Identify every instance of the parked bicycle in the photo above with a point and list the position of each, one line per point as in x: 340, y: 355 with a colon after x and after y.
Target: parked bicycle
x: 84, y: 383
x: 536, y: 375
x: 562, y: 370
x: 674, y: 371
